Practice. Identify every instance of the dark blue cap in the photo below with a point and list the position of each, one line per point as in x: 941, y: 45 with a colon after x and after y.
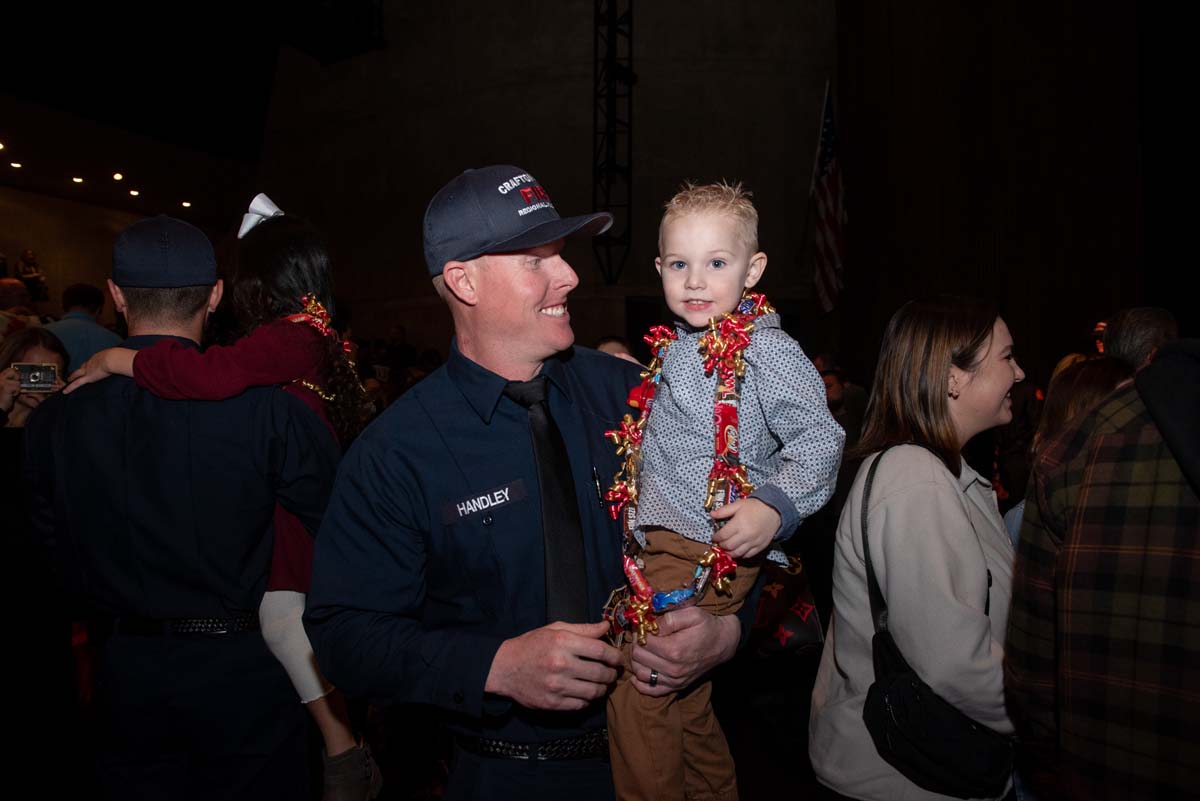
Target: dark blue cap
x: 163, y: 252
x: 496, y: 209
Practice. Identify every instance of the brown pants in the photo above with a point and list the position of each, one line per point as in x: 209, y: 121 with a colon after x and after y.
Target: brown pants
x: 672, y: 747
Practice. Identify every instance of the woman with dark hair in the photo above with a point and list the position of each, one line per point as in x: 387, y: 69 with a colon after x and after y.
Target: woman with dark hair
x: 29, y: 345
x: 938, y: 547
x: 26, y: 346
x: 282, y: 297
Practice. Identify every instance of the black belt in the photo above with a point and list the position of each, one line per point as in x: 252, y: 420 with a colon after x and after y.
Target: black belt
x: 147, y: 627
x: 584, y: 746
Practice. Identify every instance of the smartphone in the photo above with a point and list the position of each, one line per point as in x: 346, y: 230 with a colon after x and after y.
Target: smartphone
x: 36, y: 377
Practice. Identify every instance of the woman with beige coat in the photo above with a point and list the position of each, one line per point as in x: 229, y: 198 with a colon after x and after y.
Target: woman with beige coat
x: 939, y: 549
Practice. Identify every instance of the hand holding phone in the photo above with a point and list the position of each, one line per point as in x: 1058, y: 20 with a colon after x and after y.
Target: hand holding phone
x: 9, y: 388
x: 41, y: 378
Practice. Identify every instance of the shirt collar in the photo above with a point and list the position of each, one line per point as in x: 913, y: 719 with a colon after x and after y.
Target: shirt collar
x: 483, y: 389
x: 78, y: 315
x: 146, y: 340
x: 967, y: 476
x: 685, y: 330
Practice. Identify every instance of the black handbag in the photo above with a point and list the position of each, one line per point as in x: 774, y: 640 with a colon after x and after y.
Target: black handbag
x: 786, y: 621
x: 920, y: 734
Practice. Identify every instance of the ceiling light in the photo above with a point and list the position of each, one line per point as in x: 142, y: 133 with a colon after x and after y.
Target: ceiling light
x: 186, y: 204
x: 117, y: 176
x: 133, y: 192
x: 77, y: 180
x: 16, y: 165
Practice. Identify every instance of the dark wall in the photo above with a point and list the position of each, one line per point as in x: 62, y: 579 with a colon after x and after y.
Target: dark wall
x: 727, y: 90
x: 993, y: 149
x: 1012, y: 150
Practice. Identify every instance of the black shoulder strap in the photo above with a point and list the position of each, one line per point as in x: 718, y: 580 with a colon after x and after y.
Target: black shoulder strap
x: 879, y: 610
x: 878, y: 606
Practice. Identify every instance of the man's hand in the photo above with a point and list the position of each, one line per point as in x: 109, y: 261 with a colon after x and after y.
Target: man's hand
x: 750, y: 527
x: 110, y: 361
x: 690, y: 643
x: 561, y: 666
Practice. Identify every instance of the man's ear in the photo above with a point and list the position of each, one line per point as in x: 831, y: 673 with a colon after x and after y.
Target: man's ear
x: 214, y: 297
x: 461, y: 279
x: 758, y: 265
x: 118, y: 298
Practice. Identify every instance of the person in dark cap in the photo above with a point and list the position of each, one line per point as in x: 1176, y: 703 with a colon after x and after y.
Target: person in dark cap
x: 467, y: 552
x: 158, y: 515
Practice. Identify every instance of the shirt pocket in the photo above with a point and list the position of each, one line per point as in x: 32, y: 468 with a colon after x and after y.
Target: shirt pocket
x: 493, y: 545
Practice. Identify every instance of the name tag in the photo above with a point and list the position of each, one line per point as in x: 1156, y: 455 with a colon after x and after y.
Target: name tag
x: 491, y: 499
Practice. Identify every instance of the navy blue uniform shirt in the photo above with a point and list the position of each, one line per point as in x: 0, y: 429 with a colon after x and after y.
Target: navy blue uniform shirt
x: 430, y: 555
x: 163, y: 509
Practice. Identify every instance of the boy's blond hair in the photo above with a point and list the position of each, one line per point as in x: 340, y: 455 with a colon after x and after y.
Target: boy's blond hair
x: 719, y: 198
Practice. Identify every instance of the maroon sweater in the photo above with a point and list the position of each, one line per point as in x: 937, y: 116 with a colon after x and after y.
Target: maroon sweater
x: 278, y: 352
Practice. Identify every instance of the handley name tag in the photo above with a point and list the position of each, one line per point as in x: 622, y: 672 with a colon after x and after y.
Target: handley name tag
x: 484, y: 501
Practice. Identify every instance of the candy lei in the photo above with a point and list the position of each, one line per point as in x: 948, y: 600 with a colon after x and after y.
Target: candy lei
x: 637, y: 607
x: 316, y: 316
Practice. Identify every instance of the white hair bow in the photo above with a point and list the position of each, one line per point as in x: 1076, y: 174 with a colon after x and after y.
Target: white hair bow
x: 261, y: 208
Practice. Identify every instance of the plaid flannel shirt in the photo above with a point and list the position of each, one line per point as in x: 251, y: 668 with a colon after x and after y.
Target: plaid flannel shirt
x: 1102, y: 666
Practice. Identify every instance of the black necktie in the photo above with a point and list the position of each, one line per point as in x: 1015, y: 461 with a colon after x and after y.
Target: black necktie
x: 562, y: 534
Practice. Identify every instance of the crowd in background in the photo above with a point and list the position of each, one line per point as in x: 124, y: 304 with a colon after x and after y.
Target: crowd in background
x: 1017, y: 458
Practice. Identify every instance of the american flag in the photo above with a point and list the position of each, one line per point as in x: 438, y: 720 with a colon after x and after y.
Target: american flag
x: 827, y: 194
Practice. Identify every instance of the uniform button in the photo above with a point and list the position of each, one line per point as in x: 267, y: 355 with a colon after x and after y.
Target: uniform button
x: 487, y: 520
x: 458, y: 698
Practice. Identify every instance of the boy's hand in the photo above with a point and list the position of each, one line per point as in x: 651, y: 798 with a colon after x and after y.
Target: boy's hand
x: 750, y: 527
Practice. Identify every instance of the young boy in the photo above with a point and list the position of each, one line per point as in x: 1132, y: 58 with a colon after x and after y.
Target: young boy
x: 704, y: 419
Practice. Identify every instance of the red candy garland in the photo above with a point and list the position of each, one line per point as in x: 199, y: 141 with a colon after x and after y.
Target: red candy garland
x: 637, y: 606
x: 316, y: 316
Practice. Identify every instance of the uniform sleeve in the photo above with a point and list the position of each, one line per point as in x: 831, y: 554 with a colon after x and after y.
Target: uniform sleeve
x: 301, y: 460
x: 369, y: 588
x: 792, y: 397
x: 935, y: 584
x: 1030, y: 661
x: 274, y: 353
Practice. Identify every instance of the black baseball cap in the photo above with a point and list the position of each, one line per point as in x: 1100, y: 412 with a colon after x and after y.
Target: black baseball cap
x: 496, y: 209
x: 161, y: 253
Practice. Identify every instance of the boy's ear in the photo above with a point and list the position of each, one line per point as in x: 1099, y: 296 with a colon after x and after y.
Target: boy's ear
x: 758, y: 265
x: 658, y: 264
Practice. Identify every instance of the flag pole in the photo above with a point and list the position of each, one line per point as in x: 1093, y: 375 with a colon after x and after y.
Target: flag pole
x: 812, y: 181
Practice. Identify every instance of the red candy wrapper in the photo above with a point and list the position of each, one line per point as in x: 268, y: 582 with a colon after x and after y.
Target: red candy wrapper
x: 641, y: 396
x: 637, y: 582
x: 725, y: 419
